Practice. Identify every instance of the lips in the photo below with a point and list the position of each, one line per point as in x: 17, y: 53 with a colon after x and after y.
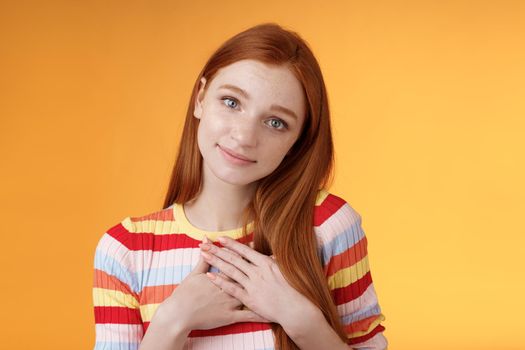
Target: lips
x: 235, y: 154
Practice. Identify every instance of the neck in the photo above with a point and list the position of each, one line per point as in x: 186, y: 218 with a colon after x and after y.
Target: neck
x: 219, y: 205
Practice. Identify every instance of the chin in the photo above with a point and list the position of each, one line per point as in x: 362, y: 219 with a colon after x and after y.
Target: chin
x: 229, y: 175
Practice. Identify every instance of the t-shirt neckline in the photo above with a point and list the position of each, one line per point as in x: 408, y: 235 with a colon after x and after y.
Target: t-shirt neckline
x: 186, y: 226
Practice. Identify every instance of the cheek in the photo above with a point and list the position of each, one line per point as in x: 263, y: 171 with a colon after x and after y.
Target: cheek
x: 213, y: 124
x: 274, y: 151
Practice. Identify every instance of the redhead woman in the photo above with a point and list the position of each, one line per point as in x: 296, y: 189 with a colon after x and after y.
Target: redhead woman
x: 250, y: 251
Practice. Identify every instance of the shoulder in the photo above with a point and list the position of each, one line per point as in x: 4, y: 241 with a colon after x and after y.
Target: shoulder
x: 331, y: 209
x: 157, y: 222
x: 122, y: 249
x: 137, y: 232
x: 337, y: 225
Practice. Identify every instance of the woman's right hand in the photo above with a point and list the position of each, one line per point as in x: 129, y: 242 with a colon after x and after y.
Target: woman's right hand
x: 197, y: 303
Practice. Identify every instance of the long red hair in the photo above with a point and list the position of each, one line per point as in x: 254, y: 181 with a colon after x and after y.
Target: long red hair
x: 283, y: 204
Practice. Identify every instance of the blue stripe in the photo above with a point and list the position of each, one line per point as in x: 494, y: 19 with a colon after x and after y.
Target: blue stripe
x: 375, y: 310
x: 112, y: 267
x: 343, y: 241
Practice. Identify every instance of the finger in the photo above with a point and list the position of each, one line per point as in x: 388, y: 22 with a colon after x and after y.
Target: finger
x: 223, y: 275
x: 232, y: 252
x: 229, y: 250
x: 245, y: 251
x: 232, y: 288
x: 226, y: 277
x: 249, y: 316
x: 230, y: 269
x: 230, y: 257
x: 236, y: 254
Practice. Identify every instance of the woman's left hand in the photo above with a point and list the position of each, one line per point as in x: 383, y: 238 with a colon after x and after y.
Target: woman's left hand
x: 260, y: 284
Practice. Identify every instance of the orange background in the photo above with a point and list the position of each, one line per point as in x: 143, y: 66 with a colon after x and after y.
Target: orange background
x: 427, y: 101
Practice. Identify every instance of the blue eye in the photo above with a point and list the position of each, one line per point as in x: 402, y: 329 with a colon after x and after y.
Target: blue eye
x: 230, y: 99
x: 285, y: 126
x: 232, y: 103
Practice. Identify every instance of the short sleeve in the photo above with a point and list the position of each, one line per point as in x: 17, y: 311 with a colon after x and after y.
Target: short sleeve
x: 344, y: 255
x: 118, y: 323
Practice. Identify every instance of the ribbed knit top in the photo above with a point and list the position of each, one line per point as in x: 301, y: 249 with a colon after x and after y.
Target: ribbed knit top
x: 141, y: 260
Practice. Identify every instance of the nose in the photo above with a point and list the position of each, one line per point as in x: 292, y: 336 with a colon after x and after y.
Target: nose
x: 245, y: 132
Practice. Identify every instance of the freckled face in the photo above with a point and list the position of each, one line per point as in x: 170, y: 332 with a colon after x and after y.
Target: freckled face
x: 258, y: 124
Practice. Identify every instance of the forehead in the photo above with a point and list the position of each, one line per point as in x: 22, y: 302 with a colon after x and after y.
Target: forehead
x: 263, y: 82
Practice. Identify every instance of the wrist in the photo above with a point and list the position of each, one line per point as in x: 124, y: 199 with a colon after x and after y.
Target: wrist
x: 314, y: 332
x: 163, y: 333
x: 299, y: 319
x: 173, y: 327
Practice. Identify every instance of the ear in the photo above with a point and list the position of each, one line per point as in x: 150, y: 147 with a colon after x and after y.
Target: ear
x: 197, y: 110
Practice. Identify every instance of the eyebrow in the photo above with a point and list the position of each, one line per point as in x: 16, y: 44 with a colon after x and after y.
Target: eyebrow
x: 247, y: 96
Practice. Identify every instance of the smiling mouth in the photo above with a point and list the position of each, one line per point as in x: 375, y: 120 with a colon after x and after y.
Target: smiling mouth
x: 235, y: 155
x: 233, y: 159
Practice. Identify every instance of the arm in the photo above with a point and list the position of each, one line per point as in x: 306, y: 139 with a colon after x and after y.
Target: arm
x: 318, y: 334
x: 315, y: 333
x: 161, y: 335
x: 118, y: 322
x: 343, y: 247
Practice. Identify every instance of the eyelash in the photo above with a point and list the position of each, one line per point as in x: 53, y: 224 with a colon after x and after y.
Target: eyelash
x: 285, y: 125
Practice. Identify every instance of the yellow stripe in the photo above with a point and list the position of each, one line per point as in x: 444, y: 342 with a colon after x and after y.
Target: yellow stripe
x: 108, y: 297
x: 147, y: 311
x: 183, y: 225
x: 380, y: 318
x: 159, y: 227
x: 344, y: 277
x: 162, y: 227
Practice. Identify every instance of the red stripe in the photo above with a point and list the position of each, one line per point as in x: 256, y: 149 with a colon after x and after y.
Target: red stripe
x: 353, y: 290
x: 105, y: 281
x: 156, y: 294
x: 327, y: 208
x: 149, y: 241
x: 161, y: 215
x: 235, y: 328
x: 347, y: 258
x: 361, y: 325
x: 117, y: 314
x: 356, y: 340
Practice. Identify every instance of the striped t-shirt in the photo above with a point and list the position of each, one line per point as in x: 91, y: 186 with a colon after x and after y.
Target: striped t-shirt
x: 141, y: 260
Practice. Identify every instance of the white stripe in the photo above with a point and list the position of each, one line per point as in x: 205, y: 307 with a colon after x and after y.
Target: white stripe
x: 258, y: 340
x: 344, y: 218
x: 119, y: 333
x: 367, y: 300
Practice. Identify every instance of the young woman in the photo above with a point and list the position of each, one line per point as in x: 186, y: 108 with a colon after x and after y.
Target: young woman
x: 250, y: 251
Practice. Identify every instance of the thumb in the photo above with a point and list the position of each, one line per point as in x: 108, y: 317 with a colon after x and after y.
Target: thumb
x: 202, y: 266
